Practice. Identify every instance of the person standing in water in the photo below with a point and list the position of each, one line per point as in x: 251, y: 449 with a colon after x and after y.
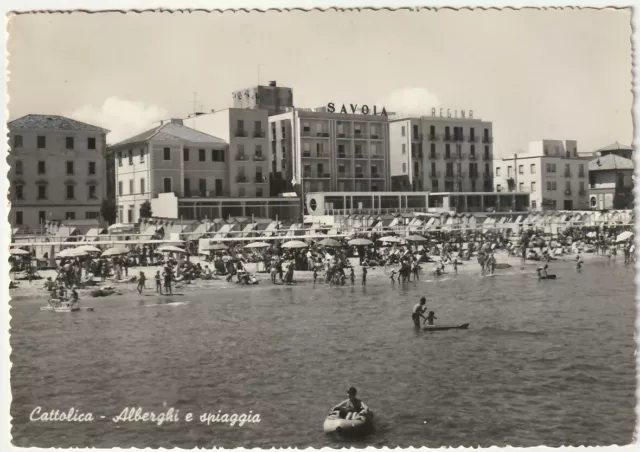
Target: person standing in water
x: 418, y: 311
x: 141, y: 281
x: 158, y: 279
x: 352, y: 276
x: 364, y: 276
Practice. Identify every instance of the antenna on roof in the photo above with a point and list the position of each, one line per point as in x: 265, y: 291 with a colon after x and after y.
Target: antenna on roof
x: 197, y: 107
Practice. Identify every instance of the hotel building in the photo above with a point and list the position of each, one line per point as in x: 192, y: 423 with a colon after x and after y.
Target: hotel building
x: 328, y: 151
x: 611, y: 178
x: 57, y: 170
x: 552, y: 172
x: 273, y: 98
x: 441, y: 154
x: 170, y: 158
x: 245, y: 131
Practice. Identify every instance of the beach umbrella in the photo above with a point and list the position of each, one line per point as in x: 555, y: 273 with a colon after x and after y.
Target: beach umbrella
x: 218, y: 247
x: 117, y: 226
x: 115, y: 251
x: 360, y: 242
x: 18, y: 252
x: 65, y: 253
x: 626, y: 235
x: 328, y: 242
x: 295, y: 244
x: 170, y: 249
x: 390, y: 239
x: 88, y: 249
x: 258, y: 245
x: 416, y: 238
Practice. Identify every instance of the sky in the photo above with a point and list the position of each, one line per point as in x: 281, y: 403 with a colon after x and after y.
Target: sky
x: 536, y: 74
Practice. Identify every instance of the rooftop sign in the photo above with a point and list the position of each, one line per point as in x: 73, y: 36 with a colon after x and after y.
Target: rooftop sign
x: 356, y: 109
x: 442, y: 113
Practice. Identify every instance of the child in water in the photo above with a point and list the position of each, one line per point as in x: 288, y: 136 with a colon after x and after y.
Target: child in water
x: 352, y: 276
x: 158, y: 282
x: 393, y: 276
x: 431, y: 317
x: 315, y: 274
x: 141, y: 281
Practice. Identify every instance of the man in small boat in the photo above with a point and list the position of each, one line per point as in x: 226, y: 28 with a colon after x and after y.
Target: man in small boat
x: 351, y: 405
x: 418, y: 310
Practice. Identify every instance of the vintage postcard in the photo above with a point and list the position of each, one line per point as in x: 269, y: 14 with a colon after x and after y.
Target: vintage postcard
x: 340, y: 228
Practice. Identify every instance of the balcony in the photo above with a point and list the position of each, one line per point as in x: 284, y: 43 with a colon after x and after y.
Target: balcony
x: 315, y: 175
x: 472, y: 157
x: 473, y: 139
x: 241, y: 157
x: 473, y: 175
x: 417, y: 137
x: 449, y: 176
x: 258, y: 134
x: 567, y: 192
x: 360, y: 136
x: 375, y: 136
x: 568, y: 174
x: 344, y: 136
x: 260, y: 179
x: 487, y: 139
x: 242, y: 179
x: 447, y: 138
x: 582, y: 192
x: 377, y: 157
x: 344, y: 155
x: 322, y: 134
x: 345, y: 175
x: 434, y: 174
x: 434, y: 155
x: 241, y: 133
x: 376, y: 176
x: 458, y: 138
x: 449, y: 157
x: 433, y: 137
x: 320, y: 155
x: 462, y: 175
x: 359, y: 175
x: 416, y: 154
x: 487, y: 156
x: 460, y: 156
x: 359, y: 155
x: 582, y: 175
x: 259, y: 158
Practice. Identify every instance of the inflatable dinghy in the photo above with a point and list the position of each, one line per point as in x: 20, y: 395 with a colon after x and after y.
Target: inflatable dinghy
x: 548, y: 277
x: 464, y: 326
x: 64, y: 309
x: 358, y: 424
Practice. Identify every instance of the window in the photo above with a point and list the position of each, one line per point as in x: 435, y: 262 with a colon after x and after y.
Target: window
x: 143, y: 186
x: 240, y: 127
x: 130, y: 156
x: 404, y: 167
x: 521, y: 187
x: 19, y: 192
x: 91, y: 143
x: 42, y: 142
x: 486, y: 153
x: 166, y: 153
x: 69, y: 168
x: 69, y: 142
x: 167, y: 184
x: 187, y: 187
x: 70, y: 215
x: 497, y: 171
x: 120, y: 188
x: 404, y: 148
x: 306, y: 127
x: 42, y: 216
x: 533, y: 204
x: 92, y: 215
x: 241, y: 191
x: 533, y: 187
x: 131, y: 186
x: 520, y: 169
x: 472, y: 150
x: 257, y: 128
x: 533, y: 168
x: 548, y: 167
x: 549, y: 188
x: 221, y: 153
x: 185, y: 154
x: 498, y: 187
x: 546, y: 150
x: 447, y: 151
x: 403, y: 131
x: 42, y: 168
x: 42, y: 191
x: 201, y: 155
x: 509, y: 171
x: 202, y: 187
x: 92, y: 192
x: 92, y: 168
x: 141, y: 155
x: 18, y: 217
x: 259, y: 192
x: 581, y: 170
x: 119, y: 158
x: 434, y: 185
x: 70, y: 192
x: 19, y: 168
x: 17, y: 141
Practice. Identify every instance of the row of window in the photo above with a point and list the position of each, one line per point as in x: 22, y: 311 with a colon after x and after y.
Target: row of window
x: 242, y: 132
x: 473, y: 168
x: 359, y: 151
x: 551, y: 186
x: 416, y: 150
x: 41, y: 142
x: 42, y: 216
x: 358, y: 128
x: 217, y: 155
x: 70, y: 192
x: 458, y: 132
x: 549, y: 167
x: 450, y: 185
x: 42, y: 167
x: 342, y: 169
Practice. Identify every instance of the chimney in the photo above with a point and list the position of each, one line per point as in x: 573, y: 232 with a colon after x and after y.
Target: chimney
x: 273, y: 83
x: 177, y: 121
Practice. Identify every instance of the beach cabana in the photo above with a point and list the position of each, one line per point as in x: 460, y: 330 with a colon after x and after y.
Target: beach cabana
x: 93, y: 234
x: 224, y: 230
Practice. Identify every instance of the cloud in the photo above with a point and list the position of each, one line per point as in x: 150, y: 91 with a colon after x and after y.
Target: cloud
x: 411, y: 101
x: 124, y: 118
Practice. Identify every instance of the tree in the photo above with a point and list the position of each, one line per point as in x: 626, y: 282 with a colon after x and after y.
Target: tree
x: 145, y: 210
x: 109, y: 210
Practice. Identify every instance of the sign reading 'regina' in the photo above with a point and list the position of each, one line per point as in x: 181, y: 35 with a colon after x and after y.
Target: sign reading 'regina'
x: 356, y: 109
x: 442, y: 113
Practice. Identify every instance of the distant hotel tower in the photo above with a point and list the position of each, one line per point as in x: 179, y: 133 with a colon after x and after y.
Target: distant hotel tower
x: 275, y: 99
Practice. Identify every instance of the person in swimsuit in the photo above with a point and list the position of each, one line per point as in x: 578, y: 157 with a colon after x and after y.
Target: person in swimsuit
x: 351, y: 405
x: 364, y: 276
x: 431, y: 317
x: 141, y: 282
x: 158, y: 282
x: 418, y: 310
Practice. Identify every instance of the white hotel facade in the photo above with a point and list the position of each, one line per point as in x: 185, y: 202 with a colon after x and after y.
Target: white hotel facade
x: 552, y: 172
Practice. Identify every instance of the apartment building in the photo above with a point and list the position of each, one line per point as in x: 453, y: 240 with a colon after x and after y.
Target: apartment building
x: 170, y: 158
x: 611, y: 180
x: 273, y: 98
x: 552, y: 172
x: 57, y: 170
x: 328, y: 151
x: 436, y: 154
x: 245, y: 131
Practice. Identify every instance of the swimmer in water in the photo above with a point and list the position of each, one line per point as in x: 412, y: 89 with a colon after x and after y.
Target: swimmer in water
x: 392, y: 277
x: 431, y: 317
x: 579, y: 263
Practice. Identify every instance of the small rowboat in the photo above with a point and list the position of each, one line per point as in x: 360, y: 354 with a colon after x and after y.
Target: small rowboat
x: 464, y: 326
x: 63, y: 307
x: 359, y: 424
